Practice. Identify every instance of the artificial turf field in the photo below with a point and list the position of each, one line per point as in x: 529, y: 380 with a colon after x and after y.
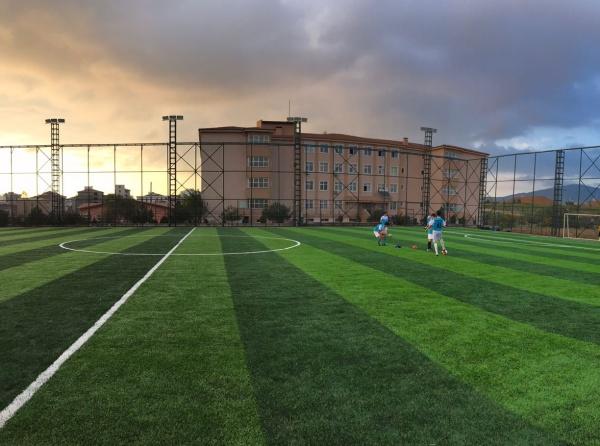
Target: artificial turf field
x: 336, y: 341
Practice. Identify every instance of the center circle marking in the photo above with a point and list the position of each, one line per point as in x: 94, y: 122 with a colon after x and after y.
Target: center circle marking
x: 295, y: 244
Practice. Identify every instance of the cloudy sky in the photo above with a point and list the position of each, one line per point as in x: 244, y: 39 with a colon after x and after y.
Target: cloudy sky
x: 495, y: 75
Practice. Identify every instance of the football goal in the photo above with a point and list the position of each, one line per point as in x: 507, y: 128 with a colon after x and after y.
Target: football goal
x: 581, y: 226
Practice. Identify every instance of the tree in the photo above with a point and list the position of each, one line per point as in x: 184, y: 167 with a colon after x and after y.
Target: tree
x: 191, y: 207
x: 36, y: 217
x: 375, y: 215
x: 276, y: 212
x: 231, y: 214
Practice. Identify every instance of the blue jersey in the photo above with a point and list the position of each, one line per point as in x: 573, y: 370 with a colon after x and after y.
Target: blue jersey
x: 438, y: 224
x: 379, y: 227
x: 384, y: 220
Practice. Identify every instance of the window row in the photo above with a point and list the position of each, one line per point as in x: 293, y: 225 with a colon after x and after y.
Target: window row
x: 338, y: 186
x: 258, y: 182
x: 259, y: 138
x: 258, y: 161
x: 339, y: 204
x: 352, y: 168
x: 352, y: 150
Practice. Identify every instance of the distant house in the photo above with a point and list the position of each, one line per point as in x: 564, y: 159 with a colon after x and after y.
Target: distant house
x: 154, y: 198
x: 97, y: 211
x: 121, y: 191
x: 88, y: 195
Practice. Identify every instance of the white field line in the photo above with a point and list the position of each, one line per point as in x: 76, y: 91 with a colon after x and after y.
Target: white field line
x: 10, y: 410
x: 527, y: 242
x: 296, y: 243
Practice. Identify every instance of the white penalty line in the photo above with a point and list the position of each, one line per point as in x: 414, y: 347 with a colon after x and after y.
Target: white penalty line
x: 43, y: 377
x: 514, y: 240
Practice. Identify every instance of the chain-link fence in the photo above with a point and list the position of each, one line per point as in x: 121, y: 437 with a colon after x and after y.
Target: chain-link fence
x: 235, y: 183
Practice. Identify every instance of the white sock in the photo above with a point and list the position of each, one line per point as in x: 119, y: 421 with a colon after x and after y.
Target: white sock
x: 443, y: 244
x: 435, y: 247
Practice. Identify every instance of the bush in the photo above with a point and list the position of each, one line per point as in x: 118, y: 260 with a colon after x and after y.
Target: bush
x: 375, y: 215
x: 276, y: 212
x: 36, y: 218
x: 3, y: 218
x: 398, y: 219
x: 231, y: 214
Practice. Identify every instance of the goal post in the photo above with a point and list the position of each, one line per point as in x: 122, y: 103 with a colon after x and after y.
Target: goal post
x: 581, y: 226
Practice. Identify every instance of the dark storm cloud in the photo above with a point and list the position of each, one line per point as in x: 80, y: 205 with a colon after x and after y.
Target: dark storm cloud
x: 480, y: 71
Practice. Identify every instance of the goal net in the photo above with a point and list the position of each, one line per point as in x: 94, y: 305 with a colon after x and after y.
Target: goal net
x: 581, y: 226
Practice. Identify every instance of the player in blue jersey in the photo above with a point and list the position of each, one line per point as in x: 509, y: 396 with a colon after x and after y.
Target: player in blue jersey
x: 429, y: 230
x: 385, y: 220
x: 380, y: 232
x: 437, y: 225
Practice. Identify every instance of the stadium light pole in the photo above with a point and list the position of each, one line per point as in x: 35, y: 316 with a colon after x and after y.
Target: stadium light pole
x: 172, y: 165
x: 56, y: 167
x: 426, y: 194
x: 297, y: 213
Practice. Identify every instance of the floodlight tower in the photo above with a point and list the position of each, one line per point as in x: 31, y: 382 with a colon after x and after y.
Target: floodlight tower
x: 426, y: 193
x: 297, y: 212
x: 172, y: 165
x: 56, y: 166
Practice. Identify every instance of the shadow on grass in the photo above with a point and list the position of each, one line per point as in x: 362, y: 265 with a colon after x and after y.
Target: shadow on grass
x: 38, y: 325
x: 45, y: 236
x: 482, y: 255
x: 564, y: 317
x: 32, y: 255
x: 324, y: 372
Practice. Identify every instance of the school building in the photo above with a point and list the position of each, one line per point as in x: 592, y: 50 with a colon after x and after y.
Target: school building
x: 344, y: 178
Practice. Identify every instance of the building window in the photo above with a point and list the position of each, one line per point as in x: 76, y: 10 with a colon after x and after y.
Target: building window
x: 339, y: 149
x: 323, y: 204
x: 309, y: 148
x: 323, y: 185
x: 338, y: 186
x: 451, y: 173
x: 338, y: 204
x: 309, y: 166
x: 353, y: 168
x: 380, y: 170
x: 452, y: 155
x: 393, y: 188
x: 381, y: 153
x: 323, y: 167
x: 366, y: 187
x: 367, y: 151
x: 381, y: 188
x: 258, y: 182
x: 258, y: 203
x: 258, y: 161
x: 367, y: 169
x: 324, y: 148
x: 309, y: 204
x: 395, y: 154
x: 338, y: 168
x: 352, y: 150
x: 352, y: 186
x: 310, y: 185
x: 394, y: 171
x: 259, y: 139
x: 393, y: 206
x: 448, y: 190
x: 402, y: 170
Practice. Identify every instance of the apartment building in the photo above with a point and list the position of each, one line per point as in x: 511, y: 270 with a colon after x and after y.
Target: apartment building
x: 344, y: 177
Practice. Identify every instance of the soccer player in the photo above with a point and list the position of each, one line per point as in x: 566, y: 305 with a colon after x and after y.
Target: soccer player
x: 437, y: 225
x: 429, y: 229
x: 380, y: 232
x: 385, y: 220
